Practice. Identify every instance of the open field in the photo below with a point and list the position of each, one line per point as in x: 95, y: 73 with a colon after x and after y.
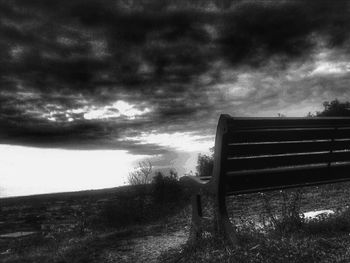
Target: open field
x: 76, y: 227
x: 79, y: 227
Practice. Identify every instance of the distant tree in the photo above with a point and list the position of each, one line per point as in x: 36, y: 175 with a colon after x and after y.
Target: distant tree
x: 142, y: 174
x: 335, y: 108
x: 310, y: 114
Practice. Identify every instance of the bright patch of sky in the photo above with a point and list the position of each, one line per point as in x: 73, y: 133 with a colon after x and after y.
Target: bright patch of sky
x: 117, y: 109
x: 300, y: 88
x: 325, y: 63
x: 238, y: 90
x: 30, y: 170
x: 328, y: 62
x: 181, y: 141
x: 92, y: 112
x: 331, y: 67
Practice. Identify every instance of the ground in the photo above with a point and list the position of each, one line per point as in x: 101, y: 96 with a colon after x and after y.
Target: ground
x: 70, y: 228
x: 145, y: 248
x: 66, y: 228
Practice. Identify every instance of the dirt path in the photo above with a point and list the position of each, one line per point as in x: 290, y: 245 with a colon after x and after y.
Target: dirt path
x: 145, y: 248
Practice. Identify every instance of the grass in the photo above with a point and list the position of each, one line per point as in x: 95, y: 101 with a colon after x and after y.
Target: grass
x: 104, y: 231
x: 92, y: 246
x: 324, y: 239
x: 68, y: 248
x: 283, y: 234
x: 265, y: 249
x: 99, y: 223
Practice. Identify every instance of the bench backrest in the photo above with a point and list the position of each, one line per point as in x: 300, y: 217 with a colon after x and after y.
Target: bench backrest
x: 260, y: 154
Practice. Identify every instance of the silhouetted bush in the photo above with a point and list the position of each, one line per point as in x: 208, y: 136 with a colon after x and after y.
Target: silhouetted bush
x: 205, y: 164
x: 166, y: 189
x: 335, y: 108
x: 165, y: 196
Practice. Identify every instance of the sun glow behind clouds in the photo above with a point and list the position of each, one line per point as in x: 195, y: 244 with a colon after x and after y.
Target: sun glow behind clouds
x: 181, y: 141
x: 329, y: 62
x: 117, y: 109
x: 330, y: 67
x: 29, y: 170
x: 92, y: 112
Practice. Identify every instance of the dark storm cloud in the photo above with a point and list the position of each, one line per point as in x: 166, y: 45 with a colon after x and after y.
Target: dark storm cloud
x: 82, y: 135
x: 256, y: 31
x: 65, y: 55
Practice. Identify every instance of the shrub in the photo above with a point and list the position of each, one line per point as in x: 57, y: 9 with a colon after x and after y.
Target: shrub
x: 335, y: 108
x: 166, y: 189
x: 143, y: 203
x: 142, y: 174
x: 289, y: 218
x: 205, y: 164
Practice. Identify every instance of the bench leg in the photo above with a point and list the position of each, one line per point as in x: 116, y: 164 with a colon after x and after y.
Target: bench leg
x: 196, y: 228
x: 224, y: 226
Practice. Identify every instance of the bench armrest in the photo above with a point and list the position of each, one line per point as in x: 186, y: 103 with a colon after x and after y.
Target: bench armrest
x: 197, y: 184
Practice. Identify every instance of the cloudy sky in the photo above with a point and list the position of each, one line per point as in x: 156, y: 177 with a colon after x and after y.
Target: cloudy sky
x: 88, y: 88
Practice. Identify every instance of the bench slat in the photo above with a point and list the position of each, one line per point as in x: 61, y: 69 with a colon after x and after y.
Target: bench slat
x: 275, y: 135
x: 253, y: 123
x: 271, y: 179
x: 250, y: 163
x: 253, y: 149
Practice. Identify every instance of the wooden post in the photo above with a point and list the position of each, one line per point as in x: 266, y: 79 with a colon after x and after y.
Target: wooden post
x: 196, y: 227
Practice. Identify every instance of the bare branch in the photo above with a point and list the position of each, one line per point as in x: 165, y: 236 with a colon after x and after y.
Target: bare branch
x: 142, y: 174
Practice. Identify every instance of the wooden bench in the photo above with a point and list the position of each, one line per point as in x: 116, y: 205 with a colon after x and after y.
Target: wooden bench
x: 262, y: 154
